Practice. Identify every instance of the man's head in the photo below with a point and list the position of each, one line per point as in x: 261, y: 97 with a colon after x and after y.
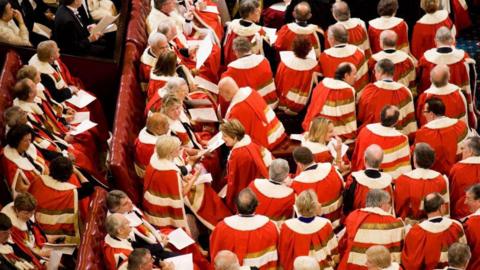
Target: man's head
x: 165, y: 6
x: 434, y: 205
x: 140, y: 259
x: 379, y: 198
x: 388, y: 39
x: 168, y: 29
x: 472, y: 197
x: 61, y: 169
x: 440, y: 75
x: 430, y: 6
x: 373, y: 156
x: 157, y: 124
x: 241, y: 46
x: 337, y: 34
x: 279, y: 170
x: 384, y: 69
x: 346, y: 72
x: 158, y: 43
x: 227, y: 88
x: 387, y: 8
x: 119, y: 202
x: 341, y: 11
x: 226, y: 260
x: 15, y: 116
x: 5, y: 226
x: 444, y: 37
x: 246, y: 202
x: 25, y: 90
x: 459, y: 255
x: 6, y: 11
x: 471, y: 147
x: 302, y: 12
x: 24, y: 206
x: 118, y: 226
x: 48, y: 51
x: 307, y: 204
x: 250, y: 10
x: 29, y: 72
x: 178, y: 87
x: 303, y: 157
x: 423, y: 156
x: 389, y: 116
x: 378, y: 257
x: 305, y: 263
x: 301, y: 46
x: 433, y: 109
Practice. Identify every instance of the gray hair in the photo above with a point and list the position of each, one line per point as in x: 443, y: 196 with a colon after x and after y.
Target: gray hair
x: 444, y: 35
x: 113, y: 223
x: 241, y: 45
x: 458, y: 255
x: 174, y: 84
x: 114, y: 199
x: 341, y: 11
x: 377, y: 197
x: 278, y: 170
x: 12, y: 115
x: 164, y: 27
x: 305, y: 263
x: 339, y: 33
x: 226, y: 260
x: 473, y: 143
x: 155, y: 38
x: 373, y: 156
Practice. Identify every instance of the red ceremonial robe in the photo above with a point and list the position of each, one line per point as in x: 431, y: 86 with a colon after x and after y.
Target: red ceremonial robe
x: 412, y: 187
x: 295, y: 80
x: 444, y: 135
x: 335, y: 100
x: 116, y: 252
x: 375, y: 96
x: 365, y: 228
x: 463, y: 175
x: 252, y: 238
x: 472, y: 232
x: 462, y: 69
x: 404, y: 67
x: 288, y: 32
x: 315, y: 238
x: 452, y: 97
x: 357, y: 35
x: 396, y: 150
x: 259, y: 120
x: 423, y: 37
x: 332, y: 57
x: 395, y: 24
x: 323, y: 153
x: 427, y: 243
x: 461, y: 14
x: 254, y: 33
x: 209, y: 18
x: 147, y: 62
x: 275, y: 200
x: 254, y: 71
x: 144, y: 149
x: 155, y: 84
x: 327, y: 182
x: 12, y: 260
x: 364, y: 184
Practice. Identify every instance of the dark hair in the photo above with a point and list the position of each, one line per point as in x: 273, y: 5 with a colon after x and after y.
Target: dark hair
x: 22, y: 89
x: 247, y: 7
x: 246, y: 202
x: 387, y: 7
x: 25, y: 202
x: 166, y: 64
x: 342, y: 70
x: 16, y: 134
x: 114, y: 199
x: 61, y: 168
x: 159, y: 3
x: 303, y: 155
x: 5, y: 222
x: 433, y: 204
x: 136, y: 259
x: 386, y: 66
x: 436, y: 106
x: 424, y: 155
x: 301, y: 46
x: 66, y: 2
x: 3, y: 6
x: 475, y: 190
x: 388, y: 119
x: 338, y: 32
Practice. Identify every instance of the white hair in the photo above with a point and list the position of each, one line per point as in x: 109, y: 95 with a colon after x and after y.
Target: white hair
x: 174, y: 84
x: 156, y: 37
x: 278, y: 170
x: 305, y: 263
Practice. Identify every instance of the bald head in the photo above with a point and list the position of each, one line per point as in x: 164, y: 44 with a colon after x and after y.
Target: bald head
x: 444, y: 37
x: 226, y: 260
x: 440, y: 75
x: 227, y: 88
x: 373, y: 156
x: 337, y: 34
x: 341, y: 11
x: 157, y: 124
x: 389, y: 116
x: 246, y: 202
x: 302, y: 12
x: 388, y: 39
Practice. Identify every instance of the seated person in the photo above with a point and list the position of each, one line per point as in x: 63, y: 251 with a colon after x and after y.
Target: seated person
x: 157, y: 44
x: 175, y: 85
x: 165, y: 68
x: 379, y: 257
x: 38, y: 19
x: 12, y: 27
x: 141, y: 259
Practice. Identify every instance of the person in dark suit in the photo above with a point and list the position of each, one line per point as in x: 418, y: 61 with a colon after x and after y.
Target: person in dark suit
x: 71, y: 33
x: 34, y: 11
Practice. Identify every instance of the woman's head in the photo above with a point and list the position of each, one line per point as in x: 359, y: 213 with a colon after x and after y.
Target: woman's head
x: 29, y: 72
x: 232, y: 132
x: 307, y: 204
x: 20, y: 137
x: 61, y: 169
x: 321, y: 130
x: 301, y: 46
x: 167, y: 147
x: 6, y: 10
x: 166, y: 64
x: 24, y: 205
x: 172, y: 106
x: 430, y: 6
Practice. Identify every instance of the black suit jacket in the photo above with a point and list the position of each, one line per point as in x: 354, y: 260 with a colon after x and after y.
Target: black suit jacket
x: 70, y: 34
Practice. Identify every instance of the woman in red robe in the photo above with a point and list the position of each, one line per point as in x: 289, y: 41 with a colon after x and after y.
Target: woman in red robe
x: 164, y: 69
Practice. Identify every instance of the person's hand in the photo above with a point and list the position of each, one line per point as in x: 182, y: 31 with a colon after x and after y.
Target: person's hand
x: 74, y: 89
x: 192, y: 51
x: 70, y: 111
x: 46, y: 170
x: 94, y: 36
x: 49, y: 14
x: 167, y: 266
x: 45, y: 253
x: 71, y: 157
x: 91, y: 26
x: 201, y: 5
x: 18, y: 16
x: 188, y: 15
x: 338, y: 145
x: 68, y: 138
x: 164, y: 239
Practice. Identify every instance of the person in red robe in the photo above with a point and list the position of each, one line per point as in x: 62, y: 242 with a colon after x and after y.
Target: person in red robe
x: 288, y: 32
x: 252, y: 237
x: 296, y: 76
x: 319, y: 177
x: 378, y: 257
x: 359, y: 183
x: 450, y: 94
x: 370, y: 226
x: 387, y: 21
x: 334, y: 99
x: 250, y: 12
x: 165, y: 69
x: 463, y: 175
x: 459, y: 11
x: 252, y: 70
x: 443, y: 134
x: 461, y: 66
x: 412, y: 187
x: 385, y: 91
x: 395, y: 145
x: 471, y: 225
x: 426, y: 243
x: 275, y: 197
x: 248, y: 107
x: 357, y: 31
x: 308, y: 234
x: 157, y: 44
x: 206, y: 15
x: 341, y: 52
x: 423, y: 36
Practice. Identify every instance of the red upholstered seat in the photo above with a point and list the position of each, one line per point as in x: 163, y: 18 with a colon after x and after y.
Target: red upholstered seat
x: 90, y: 253
x: 129, y: 119
x: 136, y: 30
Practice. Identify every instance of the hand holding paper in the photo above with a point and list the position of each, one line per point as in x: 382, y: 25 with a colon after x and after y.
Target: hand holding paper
x: 180, y: 239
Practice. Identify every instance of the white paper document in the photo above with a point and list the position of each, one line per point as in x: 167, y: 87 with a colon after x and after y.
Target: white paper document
x: 204, y: 178
x: 54, y: 260
x: 103, y: 24
x: 331, y: 147
x: 271, y: 34
x: 82, y: 127
x: 198, y: 102
x: 61, y: 248
x: 203, y: 114
x: 180, y: 239
x: 297, y: 137
x: 80, y: 117
x: 81, y: 99
x: 203, y: 52
x: 182, y: 262
x: 215, y: 142
x: 212, y: 9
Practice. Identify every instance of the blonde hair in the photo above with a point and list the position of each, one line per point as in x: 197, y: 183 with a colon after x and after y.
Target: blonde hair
x: 379, y: 256
x: 318, y: 130
x: 430, y: 6
x: 233, y: 129
x: 27, y: 72
x: 166, y: 145
x: 307, y: 203
x: 157, y: 121
x: 169, y: 101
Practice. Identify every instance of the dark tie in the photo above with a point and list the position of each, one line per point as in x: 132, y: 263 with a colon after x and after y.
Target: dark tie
x: 79, y: 18
x: 30, y: 159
